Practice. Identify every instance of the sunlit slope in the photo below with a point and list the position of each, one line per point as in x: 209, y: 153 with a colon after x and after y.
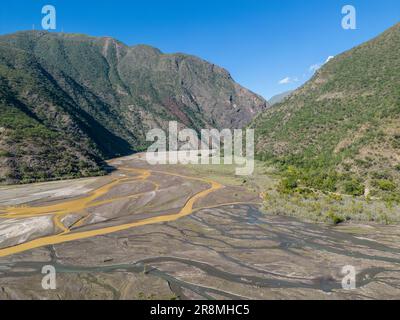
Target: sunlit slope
x: 341, y: 130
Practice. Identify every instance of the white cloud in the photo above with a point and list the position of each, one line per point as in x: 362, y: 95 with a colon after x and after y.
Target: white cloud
x: 288, y: 80
x: 329, y: 59
x: 315, y: 67
x: 285, y: 81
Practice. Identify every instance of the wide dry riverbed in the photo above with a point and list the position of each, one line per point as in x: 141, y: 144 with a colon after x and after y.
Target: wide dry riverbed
x: 163, y: 232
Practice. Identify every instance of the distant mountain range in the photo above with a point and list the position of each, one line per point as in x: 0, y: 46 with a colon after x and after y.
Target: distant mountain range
x: 341, y: 130
x: 279, y: 97
x: 69, y: 101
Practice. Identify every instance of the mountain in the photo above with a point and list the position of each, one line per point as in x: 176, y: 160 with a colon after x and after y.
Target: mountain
x: 279, y: 97
x: 341, y: 130
x: 69, y: 101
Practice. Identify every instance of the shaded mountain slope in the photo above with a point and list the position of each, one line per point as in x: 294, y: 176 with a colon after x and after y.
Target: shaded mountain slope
x: 68, y: 101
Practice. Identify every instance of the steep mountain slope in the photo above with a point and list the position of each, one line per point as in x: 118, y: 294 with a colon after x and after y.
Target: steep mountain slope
x: 341, y: 130
x: 68, y: 101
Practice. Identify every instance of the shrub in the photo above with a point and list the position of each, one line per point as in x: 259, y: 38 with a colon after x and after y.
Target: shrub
x: 391, y: 198
x: 381, y: 175
x: 4, y: 154
x: 305, y: 192
x: 354, y: 187
x: 385, y: 185
x: 287, y: 185
x: 321, y: 179
x: 335, y: 197
x: 334, y: 218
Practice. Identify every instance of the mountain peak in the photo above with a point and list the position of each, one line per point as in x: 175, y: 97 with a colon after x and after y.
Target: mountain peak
x: 146, y: 49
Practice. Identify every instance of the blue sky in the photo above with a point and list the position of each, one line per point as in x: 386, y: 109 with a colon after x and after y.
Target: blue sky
x: 260, y: 42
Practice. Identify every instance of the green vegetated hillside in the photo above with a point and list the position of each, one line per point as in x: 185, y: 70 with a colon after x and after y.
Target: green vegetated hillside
x: 340, y: 132
x: 69, y: 101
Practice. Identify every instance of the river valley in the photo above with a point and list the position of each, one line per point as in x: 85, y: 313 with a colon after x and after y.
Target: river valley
x: 166, y: 232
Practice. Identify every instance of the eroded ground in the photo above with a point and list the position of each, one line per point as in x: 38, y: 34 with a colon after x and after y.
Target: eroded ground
x: 147, y: 232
